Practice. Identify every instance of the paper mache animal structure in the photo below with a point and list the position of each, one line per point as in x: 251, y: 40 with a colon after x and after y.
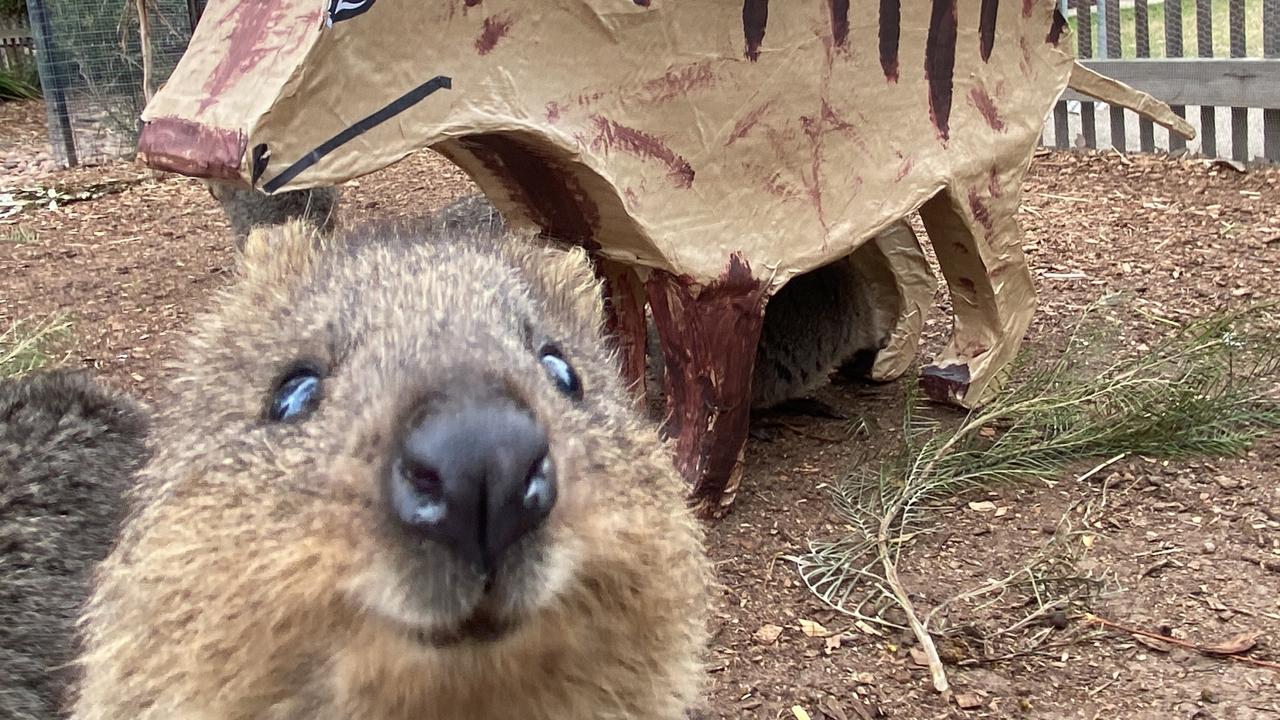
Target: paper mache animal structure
x: 706, y: 151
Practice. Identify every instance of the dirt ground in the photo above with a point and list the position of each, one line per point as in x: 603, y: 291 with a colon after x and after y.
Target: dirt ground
x: 1190, y: 550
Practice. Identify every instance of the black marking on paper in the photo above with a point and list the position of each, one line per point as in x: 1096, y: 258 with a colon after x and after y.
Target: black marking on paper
x: 340, y: 10
x: 260, y: 157
x: 397, y: 106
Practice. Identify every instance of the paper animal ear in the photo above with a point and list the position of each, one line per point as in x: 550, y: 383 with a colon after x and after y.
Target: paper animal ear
x: 280, y: 255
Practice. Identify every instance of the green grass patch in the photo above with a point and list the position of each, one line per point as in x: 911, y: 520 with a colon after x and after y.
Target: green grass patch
x: 19, y: 84
x: 31, y: 344
x: 18, y: 235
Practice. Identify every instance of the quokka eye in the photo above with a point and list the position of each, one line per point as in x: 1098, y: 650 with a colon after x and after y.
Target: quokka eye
x: 296, y: 396
x: 561, y: 372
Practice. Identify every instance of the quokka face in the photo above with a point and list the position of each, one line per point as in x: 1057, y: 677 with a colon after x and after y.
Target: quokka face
x: 401, y: 455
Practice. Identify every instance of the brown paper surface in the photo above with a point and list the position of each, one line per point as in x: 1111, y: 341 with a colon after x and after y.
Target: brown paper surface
x: 679, y: 133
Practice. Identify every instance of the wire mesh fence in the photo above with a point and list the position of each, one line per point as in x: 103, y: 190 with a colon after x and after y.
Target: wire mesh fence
x: 89, y: 54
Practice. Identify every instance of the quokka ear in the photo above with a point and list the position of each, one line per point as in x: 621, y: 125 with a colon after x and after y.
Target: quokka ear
x: 566, y: 276
x: 279, y: 255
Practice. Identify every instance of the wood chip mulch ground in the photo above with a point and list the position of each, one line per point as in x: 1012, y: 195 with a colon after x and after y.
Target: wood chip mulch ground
x: 1192, y: 549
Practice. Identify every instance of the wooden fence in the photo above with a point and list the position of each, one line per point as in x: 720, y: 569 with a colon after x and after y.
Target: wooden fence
x: 16, y: 46
x: 1217, y: 62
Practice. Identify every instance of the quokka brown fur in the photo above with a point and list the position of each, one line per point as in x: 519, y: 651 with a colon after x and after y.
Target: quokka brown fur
x: 400, y: 478
x: 68, y: 450
x: 248, y: 208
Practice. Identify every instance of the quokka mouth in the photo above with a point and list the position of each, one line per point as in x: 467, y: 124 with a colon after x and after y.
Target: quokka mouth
x: 482, y: 627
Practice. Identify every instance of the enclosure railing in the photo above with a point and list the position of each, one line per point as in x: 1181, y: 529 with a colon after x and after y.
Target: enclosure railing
x: 1217, y: 62
x: 17, y: 49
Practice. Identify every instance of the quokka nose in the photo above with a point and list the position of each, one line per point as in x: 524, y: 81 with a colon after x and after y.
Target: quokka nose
x: 475, y: 480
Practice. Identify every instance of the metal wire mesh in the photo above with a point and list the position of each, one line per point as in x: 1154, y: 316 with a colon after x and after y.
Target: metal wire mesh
x: 89, y: 56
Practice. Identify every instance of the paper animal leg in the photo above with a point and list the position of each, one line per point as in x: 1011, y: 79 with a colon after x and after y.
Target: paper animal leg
x: 975, y: 235
x: 709, y: 336
x: 902, y: 286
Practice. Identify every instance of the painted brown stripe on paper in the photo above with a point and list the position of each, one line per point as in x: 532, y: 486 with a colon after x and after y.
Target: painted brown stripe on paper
x: 755, y: 16
x: 1055, y: 30
x: 839, y: 22
x: 890, y: 27
x: 987, y: 27
x: 940, y: 63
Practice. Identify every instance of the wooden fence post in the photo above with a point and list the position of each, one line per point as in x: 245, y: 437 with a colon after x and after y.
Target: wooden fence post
x: 1239, y: 115
x: 1204, y: 77
x: 1110, y: 19
x: 1271, y: 49
x: 1204, y: 49
x: 1084, y: 30
x: 1061, y: 128
x: 1142, y: 48
x: 1173, y: 49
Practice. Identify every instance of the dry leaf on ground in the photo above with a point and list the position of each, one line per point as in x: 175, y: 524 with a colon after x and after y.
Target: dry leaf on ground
x: 768, y: 634
x: 1236, y: 645
x: 813, y: 629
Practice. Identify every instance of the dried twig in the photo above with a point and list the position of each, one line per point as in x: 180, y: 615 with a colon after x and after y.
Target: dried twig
x: 1271, y: 565
x: 1203, y: 650
x: 936, y: 670
x: 1197, y: 392
x: 1102, y: 466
